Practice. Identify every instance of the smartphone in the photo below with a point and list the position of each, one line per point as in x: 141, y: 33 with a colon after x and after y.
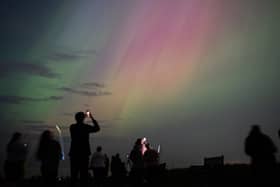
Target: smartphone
x: 88, y: 113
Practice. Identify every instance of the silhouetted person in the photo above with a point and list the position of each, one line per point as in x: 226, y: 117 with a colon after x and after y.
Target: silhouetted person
x: 107, y: 165
x: 151, y: 163
x: 80, y: 147
x: 115, y: 164
x: 98, y: 165
x: 151, y: 157
x: 49, y: 153
x: 16, y: 156
x: 262, y: 151
x: 118, y: 169
x: 137, y: 169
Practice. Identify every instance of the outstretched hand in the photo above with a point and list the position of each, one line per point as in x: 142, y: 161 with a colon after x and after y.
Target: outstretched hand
x: 90, y: 115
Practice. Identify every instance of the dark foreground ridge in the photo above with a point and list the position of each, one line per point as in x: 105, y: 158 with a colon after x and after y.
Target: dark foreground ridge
x: 236, y: 175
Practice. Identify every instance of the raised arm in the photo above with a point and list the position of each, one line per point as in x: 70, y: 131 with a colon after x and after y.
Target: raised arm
x: 95, y: 127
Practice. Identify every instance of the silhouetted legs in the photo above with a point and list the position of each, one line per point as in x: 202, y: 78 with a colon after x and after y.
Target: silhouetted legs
x: 79, y: 165
x: 49, y: 171
x: 137, y: 176
x: 14, y: 171
x: 99, y: 175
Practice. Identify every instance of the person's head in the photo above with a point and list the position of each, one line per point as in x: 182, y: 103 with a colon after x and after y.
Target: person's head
x: 46, y: 135
x: 99, y: 149
x: 80, y: 117
x: 255, y: 129
x: 16, y: 136
x: 144, y: 141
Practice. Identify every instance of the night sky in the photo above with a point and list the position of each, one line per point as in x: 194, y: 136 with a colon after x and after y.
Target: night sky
x: 190, y: 75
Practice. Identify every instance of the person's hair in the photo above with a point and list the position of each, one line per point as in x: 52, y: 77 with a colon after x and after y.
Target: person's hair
x: 99, y: 149
x: 80, y: 116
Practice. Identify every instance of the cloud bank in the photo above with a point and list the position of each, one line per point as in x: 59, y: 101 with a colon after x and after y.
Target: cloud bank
x: 12, y: 99
x: 8, y: 68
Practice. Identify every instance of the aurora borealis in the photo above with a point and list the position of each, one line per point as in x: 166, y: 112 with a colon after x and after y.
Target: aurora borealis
x: 191, y: 75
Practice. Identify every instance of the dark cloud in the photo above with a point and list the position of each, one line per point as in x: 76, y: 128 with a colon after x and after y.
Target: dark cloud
x: 12, y: 99
x: 88, y: 89
x: 32, y: 122
x: 85, y: 92
x: 54, y: 98
x: 93, y: 85
x: 41, y: 70
x: 71, y: 55
x: 88, y: 52
x: 65, y: 56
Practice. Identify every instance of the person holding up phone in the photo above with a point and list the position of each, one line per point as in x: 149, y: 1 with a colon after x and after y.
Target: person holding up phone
x: 80, y: 146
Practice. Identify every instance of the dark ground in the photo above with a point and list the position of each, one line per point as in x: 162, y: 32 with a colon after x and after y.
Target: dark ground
x: 196, y: 176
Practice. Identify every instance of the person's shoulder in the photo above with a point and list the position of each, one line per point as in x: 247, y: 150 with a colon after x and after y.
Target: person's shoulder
x: 74, y: 125
x: 268, y: 139
x: 95, y: 154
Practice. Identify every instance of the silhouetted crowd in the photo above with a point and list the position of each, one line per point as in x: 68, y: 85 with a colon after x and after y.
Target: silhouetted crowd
x: 143, y: 160
x: 142, y: 167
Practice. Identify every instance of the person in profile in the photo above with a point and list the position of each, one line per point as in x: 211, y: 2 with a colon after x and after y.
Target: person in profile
x: 80, y: 147
x: 16, y: 156
x: 262, y: 151
x: 49, y: 153
x: 98, y: 165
